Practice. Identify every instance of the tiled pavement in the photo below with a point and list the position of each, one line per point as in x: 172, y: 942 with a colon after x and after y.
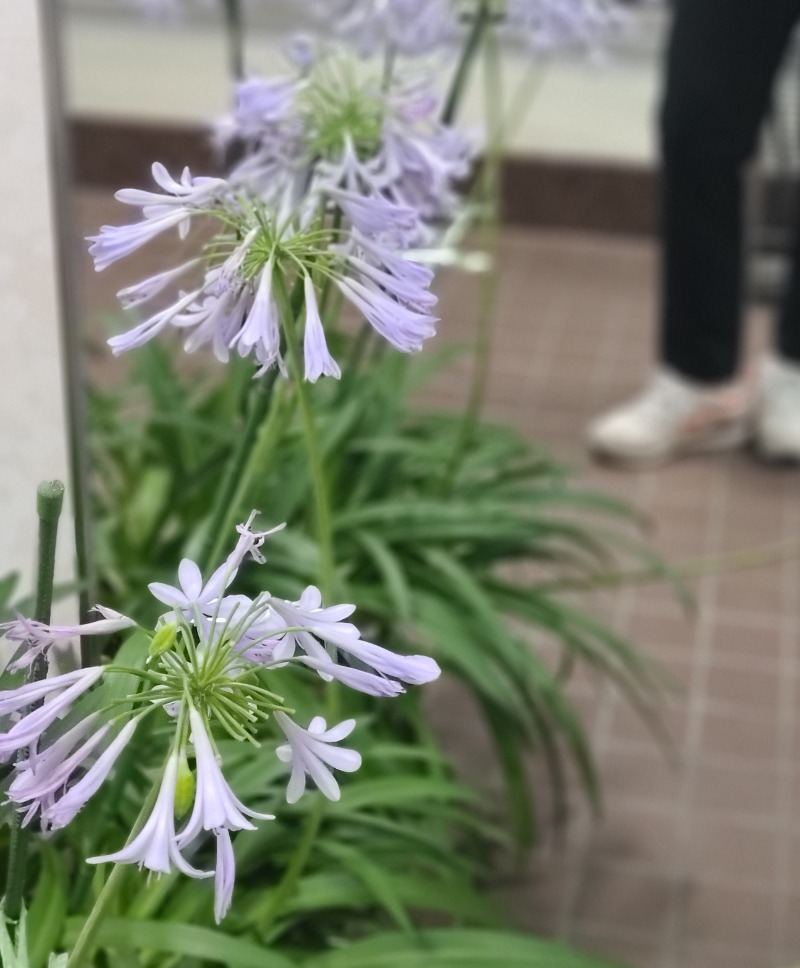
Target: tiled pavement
x: 695, y: 862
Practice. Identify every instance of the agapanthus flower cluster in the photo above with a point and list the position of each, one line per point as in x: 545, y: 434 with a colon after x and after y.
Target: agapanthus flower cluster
x: 332, y: 130
x: 239, y: 297
x: 411, y: 28
x: 214, y: 659
x: 415, y: 28
x: 555, y: 24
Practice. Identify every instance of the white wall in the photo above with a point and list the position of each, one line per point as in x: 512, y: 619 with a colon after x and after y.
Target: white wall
x: 32, y: 425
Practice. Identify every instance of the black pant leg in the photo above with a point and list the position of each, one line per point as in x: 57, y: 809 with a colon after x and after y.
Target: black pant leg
x: 788, y: 341
x: 722, y: 59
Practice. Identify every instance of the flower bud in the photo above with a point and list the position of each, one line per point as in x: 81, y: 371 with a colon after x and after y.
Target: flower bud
x: 184, y: 788
x: 163, y: 640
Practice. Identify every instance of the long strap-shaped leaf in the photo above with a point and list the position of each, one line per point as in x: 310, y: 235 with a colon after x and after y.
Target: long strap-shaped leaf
x: 456, y: 949
x: 187, y: 940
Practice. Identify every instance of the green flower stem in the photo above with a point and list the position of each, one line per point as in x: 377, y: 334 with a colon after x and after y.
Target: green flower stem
x: 483, y: 18
x: 287, y: 884
x: 225, y: 506
x: 268, y: 435
x: 314, y: 451
x: 234, y: 24
x: 83, y: 945
x: 49, y: 502
x: 82, y: 948
x: 490, y: 239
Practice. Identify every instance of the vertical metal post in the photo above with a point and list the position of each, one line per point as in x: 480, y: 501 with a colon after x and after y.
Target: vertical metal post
x: 61, y: 181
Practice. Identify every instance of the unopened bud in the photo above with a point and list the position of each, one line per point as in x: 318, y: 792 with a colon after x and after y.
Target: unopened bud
x: 163, y: 640
x: 184, y: 788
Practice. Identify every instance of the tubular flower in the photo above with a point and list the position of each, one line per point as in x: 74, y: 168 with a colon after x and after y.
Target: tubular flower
x: 156, y: 845
x: 37, y: 638
x: 209, y: 673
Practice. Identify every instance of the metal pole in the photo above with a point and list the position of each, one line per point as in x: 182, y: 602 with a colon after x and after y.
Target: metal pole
x: 61, y: 182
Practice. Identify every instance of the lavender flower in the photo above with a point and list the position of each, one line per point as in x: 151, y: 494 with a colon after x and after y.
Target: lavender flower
x: 63, y: 810
x: 42, y: 774
x: 311, y: 753
x: 156, y: 845
x: 64, y: 690
x: 215, y: 805
x: 225, y: 874
x: 182, y: 200
x: 38, y: 638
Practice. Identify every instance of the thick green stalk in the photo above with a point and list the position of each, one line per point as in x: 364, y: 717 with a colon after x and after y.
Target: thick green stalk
x: 490, y: 238
x: 224, y: 505
x: 49, y: 502
x: 295, y: 868
x: 313, y: 449
x: 83, y: 945
x: 258, y: 452
x: 324, y: 524
x: 82, y: 948
x: 483, y: 18
x: 234, y: 24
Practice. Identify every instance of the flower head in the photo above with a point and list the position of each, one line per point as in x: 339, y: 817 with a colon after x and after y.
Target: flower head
x: 242, y: 303
x: 213, y: 669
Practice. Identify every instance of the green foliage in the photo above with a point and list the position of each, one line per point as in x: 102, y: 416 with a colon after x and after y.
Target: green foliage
x: 438, y: 555
x: 436, y: 561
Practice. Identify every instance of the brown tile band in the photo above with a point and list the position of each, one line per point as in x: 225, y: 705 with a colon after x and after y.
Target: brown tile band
x: 552, y: 192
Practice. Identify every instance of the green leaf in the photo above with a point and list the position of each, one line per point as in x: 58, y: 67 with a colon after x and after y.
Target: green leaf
x: 378, y: 881
x: 456, y: 949
x: 49, y: 906
x: 187, y: 940
x: 389, y: 568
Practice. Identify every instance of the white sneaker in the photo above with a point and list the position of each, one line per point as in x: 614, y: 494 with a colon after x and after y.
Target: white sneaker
x: 672, y: 417
x: 778, y: 415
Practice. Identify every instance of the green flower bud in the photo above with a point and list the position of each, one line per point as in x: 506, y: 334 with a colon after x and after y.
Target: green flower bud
x: 184, y: 788
x: 163, y: 640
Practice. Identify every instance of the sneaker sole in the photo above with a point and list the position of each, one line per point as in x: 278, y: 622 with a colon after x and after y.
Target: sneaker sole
x: 731, y: 437
x: 775, y: 454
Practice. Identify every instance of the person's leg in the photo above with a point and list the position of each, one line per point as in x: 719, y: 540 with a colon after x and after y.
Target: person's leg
x: 778, y: 415
x: 721, y: 63
x: 788, y: 335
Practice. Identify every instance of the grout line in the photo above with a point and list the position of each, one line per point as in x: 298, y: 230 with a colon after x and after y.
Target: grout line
x: 675, y: 932
x: 788, y: 668
x: 753, y: 821
x: 743, y: 764
x: 575, y: 861
x: 734, y: 617
x: 659, y: 869
x: 634, y: 935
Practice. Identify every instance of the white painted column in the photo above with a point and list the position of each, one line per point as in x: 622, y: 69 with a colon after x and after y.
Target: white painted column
x: 33, y: 439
